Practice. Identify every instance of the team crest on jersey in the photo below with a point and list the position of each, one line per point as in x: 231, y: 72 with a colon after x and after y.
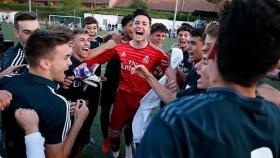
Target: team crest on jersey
x: 123, y: 54
x: 146, y: 59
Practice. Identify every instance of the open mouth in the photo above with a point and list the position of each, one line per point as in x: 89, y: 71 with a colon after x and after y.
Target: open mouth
x: 85, y: 49
x: 159, y: 44
x: 138, y: 33
x: 198, y: 81
x: 182, y: 42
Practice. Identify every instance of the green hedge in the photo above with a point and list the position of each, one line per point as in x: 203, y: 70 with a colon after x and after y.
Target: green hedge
x: 17, y: 6
x: 153, y: 13
x: 44, y: 11
x: 13, y: 6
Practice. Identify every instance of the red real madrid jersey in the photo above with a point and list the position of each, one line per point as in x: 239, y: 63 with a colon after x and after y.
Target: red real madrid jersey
x: 150, y: 56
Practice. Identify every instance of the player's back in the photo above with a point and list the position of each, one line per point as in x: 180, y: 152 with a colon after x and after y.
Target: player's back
x: 220, y: 123
x: 223, y: 123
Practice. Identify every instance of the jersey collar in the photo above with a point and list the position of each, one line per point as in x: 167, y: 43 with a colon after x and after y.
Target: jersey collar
x: 42, y: 80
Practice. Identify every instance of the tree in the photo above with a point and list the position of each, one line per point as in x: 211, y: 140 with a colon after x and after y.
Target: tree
x: 222, y: 4
x: 71, y: 6
x: 143, y: 4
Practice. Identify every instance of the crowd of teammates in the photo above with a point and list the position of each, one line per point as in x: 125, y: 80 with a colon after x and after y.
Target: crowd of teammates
x: 216, y: 102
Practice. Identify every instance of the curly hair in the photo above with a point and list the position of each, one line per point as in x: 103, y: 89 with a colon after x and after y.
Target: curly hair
x: 250, y: 34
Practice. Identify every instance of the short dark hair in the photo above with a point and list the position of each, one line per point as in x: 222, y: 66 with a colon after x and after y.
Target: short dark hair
x: 59, y: 27
x: 212, y: 29
x: 158, y: 27
x: 89, y: 20
x: 126, y: 19
x: 78, y: 31
x: 248, y: 41
x: 197, y: 32
x: 186, y: 24
x: 142, y: 12
x: 22, y: 16
x: 107, y: 38
x: 188, y: 28
x: 41, y: 43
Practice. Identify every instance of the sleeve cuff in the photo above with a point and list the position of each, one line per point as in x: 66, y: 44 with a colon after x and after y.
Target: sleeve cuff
x: 35, y: 145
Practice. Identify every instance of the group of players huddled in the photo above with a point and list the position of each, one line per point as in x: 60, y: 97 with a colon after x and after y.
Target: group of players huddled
x: 214, y: 104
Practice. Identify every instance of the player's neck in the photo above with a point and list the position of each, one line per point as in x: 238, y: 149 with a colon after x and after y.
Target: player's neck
x: 40, y: 72
x: 92, y: 38
x: 126, y: 38
x: 138, y: 45
x: 183, y: 49
x: 77, y: 57
x: 249, y: 92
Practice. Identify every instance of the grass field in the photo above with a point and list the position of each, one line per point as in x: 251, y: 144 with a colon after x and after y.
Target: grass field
x: 8, y: 31
x: 95, y: 151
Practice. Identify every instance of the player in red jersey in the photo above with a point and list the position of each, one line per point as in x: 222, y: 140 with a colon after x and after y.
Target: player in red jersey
x: 131, y: 86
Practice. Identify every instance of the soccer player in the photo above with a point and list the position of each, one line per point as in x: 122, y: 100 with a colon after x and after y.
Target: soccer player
x: 77, y: 90
x: 166, y: 93
x: 48, y: 55
x: 183, y: 33
x: 158, y: 34
x: 196, y: 42
x: 126, y: 22
x: 131, y: 87
x: 91, y: 25
x: 110, y: 86
x: 199, y: 126
x: 192, y: 78
x: 202, y: 67
x: 25, y: 23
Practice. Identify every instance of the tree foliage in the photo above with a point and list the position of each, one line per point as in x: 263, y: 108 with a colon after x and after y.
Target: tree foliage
x: 143, y: 4
x: 72, y: 5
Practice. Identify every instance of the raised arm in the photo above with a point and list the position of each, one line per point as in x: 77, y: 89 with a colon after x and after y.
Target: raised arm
x: 34, y: 142
x: 5, y: 99
x: 165, y: 94
x: 274, y: 75
x: 63, y: 149
x: 10, y: 70
x: 101, y: 49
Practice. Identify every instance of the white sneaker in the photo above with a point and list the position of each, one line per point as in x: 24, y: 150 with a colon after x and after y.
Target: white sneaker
x: 91, y: 80
x: 128, y: 152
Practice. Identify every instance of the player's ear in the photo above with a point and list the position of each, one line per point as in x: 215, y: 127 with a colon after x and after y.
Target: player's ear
x: 275, y: 66
x: 16, y: 32
x: 150, y: 30
x: 44, y: 64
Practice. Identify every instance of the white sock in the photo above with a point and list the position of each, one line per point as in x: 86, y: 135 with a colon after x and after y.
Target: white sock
x: 128, y: 147
x: 128, y: 151
x: 116, y: 154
